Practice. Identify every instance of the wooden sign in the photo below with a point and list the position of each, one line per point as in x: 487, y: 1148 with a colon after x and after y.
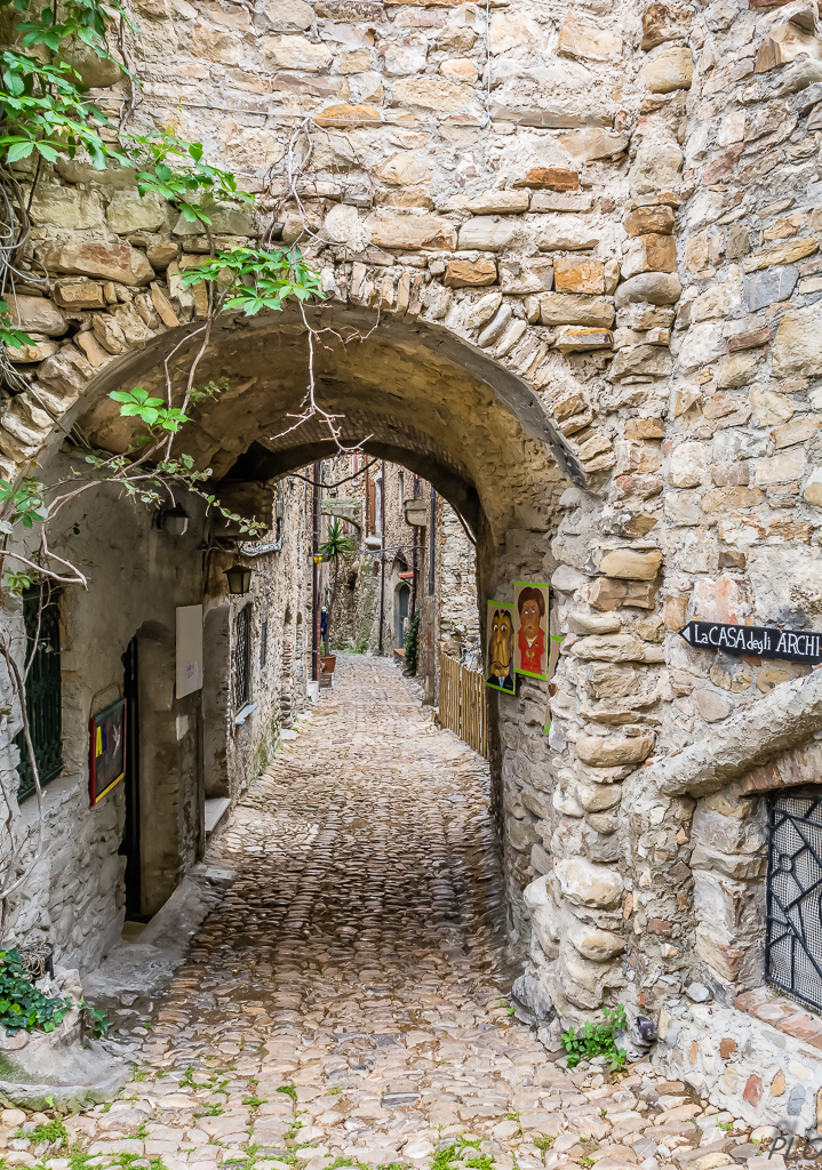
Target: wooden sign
x: 756, y: 641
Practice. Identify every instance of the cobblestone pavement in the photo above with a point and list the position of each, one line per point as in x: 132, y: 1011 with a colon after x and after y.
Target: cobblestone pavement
x: 346, y: 1003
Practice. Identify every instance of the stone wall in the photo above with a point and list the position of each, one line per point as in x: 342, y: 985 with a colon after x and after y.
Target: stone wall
x: 280, y: 600
x: 579, y: 245
x: 455, y: 577
x: 75, y: 895
x: 137, y: 576
x: 373, y: 496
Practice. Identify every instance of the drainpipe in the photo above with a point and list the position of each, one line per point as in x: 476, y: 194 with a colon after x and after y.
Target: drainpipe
x: 415, y: 554
x: 382, y: 552
x: 430, y: 666
x: 432, y: 540
x: 315, y: 574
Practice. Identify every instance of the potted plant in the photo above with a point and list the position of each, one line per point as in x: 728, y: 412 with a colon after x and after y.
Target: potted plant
x: 335, y: 548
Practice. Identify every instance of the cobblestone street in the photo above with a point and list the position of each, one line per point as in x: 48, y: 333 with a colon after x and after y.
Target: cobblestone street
x: 347, y: 1000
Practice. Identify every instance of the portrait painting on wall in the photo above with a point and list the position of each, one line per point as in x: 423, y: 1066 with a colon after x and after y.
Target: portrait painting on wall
x: 499, y: 658
x: 531, y: 629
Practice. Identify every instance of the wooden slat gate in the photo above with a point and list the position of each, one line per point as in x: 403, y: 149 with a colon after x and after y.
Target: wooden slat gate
x: 463, y: 703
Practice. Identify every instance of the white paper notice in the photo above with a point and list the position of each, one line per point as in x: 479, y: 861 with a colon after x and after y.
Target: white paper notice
x: 189, y: 649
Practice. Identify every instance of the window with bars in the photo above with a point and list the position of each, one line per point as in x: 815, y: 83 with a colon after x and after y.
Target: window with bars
x: 242, y: 657
x: 44, y: 700
x: 793, y: 944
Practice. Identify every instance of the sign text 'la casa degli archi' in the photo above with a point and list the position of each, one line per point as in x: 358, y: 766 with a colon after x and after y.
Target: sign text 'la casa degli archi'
x: 756, y: 641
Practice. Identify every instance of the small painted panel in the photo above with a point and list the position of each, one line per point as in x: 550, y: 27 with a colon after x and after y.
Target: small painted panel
x: 107, y: 750
x: 499, y: 649
x: 531, y: 602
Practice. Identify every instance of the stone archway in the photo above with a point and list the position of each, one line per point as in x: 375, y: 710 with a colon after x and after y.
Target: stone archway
x: 408, y: 390
x: 453, y: 403
x: 529, y: 212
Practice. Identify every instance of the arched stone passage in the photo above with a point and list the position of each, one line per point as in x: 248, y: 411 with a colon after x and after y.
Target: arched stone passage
x: 545, y: 212
x: 412, y: 392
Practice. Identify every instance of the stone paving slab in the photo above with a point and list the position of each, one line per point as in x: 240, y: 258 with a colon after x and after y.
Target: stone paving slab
x: 346, y: 1002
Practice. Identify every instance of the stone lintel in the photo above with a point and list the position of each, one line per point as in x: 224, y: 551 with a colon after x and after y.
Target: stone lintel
x: 784, y: 719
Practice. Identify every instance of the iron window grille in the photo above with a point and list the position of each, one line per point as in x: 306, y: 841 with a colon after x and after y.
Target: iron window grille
x: 44, y: 699
x: 793, y: 943
x: 242, y: 657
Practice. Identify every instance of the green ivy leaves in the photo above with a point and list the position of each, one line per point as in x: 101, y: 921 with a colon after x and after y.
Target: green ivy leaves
x: 174, y: 169
x: 597, y: 1040
x: 10, y: 335
x: 44, y: 110
x: 137, y: 403
x: 24, y: 1007
x: 258, y: 279
x: 21, y: 503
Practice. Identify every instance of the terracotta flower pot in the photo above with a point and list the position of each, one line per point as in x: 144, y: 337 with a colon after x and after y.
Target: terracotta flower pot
x: 328, y: 662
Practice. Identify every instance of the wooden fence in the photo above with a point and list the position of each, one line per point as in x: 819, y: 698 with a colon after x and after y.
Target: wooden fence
x: 463, y: 703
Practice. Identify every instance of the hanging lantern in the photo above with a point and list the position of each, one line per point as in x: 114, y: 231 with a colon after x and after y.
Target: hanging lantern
x: 239, y: 579
x: 174, y: 521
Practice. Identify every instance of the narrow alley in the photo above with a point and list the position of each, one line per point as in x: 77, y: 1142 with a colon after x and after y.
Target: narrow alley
x: 346, y: 1003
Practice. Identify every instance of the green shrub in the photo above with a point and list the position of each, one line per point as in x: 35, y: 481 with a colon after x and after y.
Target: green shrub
x: 410, y: 644
x: 24, y: 1007
x: 597, y: 1040
x: 95, y: 1020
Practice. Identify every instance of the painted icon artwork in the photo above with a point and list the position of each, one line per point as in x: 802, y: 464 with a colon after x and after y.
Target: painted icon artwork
x: 107, y: 758
x: 499, y: 658
x: 531, y: 629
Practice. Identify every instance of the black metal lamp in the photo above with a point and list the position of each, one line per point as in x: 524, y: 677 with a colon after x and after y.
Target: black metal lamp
x: 239, y: 579
x: 174, y: 521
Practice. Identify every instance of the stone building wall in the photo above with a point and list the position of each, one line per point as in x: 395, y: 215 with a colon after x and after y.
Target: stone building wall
x: 455, y: 587
x: 382, y: 534
x: 449, y: 606
x: 280, y: 600
x: 76, y: 894
x: 586, y: 238
x: 137, y: 576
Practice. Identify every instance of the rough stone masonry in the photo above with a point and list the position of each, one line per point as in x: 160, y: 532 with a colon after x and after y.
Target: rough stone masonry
x: 592, y: 235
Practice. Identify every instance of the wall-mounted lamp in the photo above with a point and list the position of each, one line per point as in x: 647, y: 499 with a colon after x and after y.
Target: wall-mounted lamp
x: 239, y: 579
x: 174, y: 521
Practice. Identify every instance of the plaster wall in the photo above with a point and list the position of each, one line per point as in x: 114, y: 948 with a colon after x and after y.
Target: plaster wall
x: 137, y: 577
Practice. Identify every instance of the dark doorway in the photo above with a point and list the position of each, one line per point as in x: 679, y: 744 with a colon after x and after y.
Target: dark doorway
x: 130, y: 847
x: 403, y: 597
